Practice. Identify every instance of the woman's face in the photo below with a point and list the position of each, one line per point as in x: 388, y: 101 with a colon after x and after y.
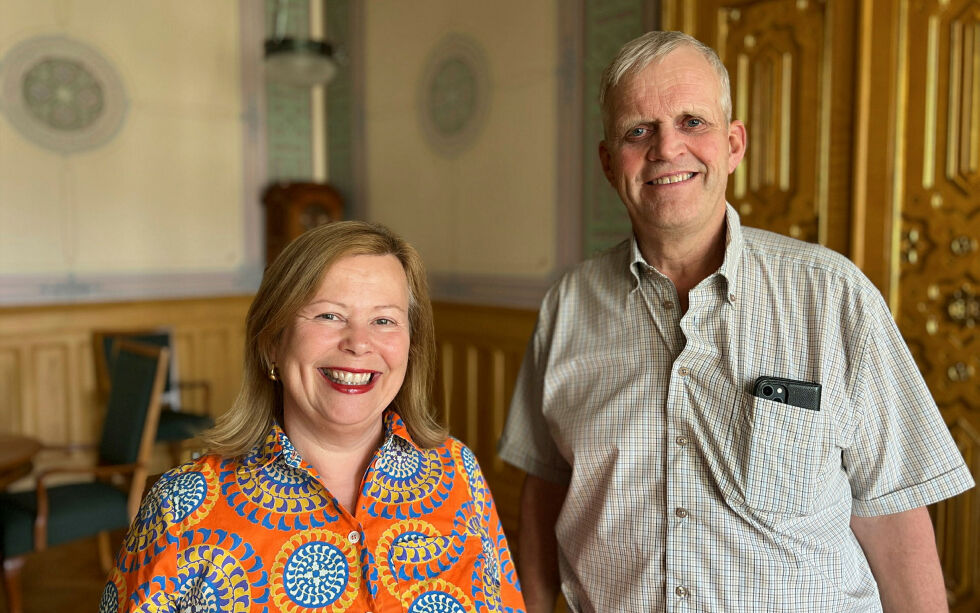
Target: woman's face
x: 343, y: 359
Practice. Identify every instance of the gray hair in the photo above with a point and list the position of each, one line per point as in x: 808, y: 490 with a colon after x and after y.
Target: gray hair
x: 637, y: 54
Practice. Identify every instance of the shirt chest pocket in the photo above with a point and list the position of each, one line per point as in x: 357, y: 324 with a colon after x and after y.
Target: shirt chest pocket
x: 784, y: 452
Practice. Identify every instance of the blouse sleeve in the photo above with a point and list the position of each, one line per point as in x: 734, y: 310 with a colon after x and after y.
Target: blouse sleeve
x: 496, y: 550
x: 147, y: 557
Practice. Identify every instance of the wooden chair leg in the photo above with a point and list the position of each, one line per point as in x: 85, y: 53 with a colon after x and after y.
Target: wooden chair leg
x: 11, y: 583
x: 105, y: 552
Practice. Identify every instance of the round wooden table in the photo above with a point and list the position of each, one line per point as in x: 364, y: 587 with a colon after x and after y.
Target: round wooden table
x: 16, y: 455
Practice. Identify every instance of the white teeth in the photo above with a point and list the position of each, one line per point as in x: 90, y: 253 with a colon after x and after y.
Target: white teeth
x: 347, y: 378
x: 671, y: 179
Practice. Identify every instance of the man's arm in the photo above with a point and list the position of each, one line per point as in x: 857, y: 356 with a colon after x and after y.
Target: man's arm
x: 537, y: 548
x: 901, y: 549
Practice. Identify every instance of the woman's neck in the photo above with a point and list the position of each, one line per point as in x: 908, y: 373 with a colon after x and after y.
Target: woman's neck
x: 339, y: 458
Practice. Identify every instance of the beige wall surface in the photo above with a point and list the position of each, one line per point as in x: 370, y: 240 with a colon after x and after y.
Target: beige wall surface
x: 165, y: 194
x: 490, y: 208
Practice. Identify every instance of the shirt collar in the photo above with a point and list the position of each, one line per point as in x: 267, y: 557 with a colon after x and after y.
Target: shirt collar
x: 277, y: 445
x: 734, y: 243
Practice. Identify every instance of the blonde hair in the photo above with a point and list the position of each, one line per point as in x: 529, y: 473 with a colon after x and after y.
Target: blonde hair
x: 640, y: 52
x: 289, y: 283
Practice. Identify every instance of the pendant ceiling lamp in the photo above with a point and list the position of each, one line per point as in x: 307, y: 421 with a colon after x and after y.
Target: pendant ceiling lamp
x: 296, y: 61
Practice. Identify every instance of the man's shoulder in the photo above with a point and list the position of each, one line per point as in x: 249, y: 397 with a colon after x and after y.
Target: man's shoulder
x: 778, y: 249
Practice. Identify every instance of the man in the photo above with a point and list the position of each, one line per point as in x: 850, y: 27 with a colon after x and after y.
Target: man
x: 657, y: 480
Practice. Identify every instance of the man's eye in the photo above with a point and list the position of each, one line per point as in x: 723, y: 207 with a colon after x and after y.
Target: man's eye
x: 636, y: 133
x: 694, y: 122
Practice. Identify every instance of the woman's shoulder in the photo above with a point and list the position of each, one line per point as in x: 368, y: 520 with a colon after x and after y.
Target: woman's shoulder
x: 191, y: 479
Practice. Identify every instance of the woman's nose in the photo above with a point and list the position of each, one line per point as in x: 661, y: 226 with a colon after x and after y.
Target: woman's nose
x: 356, y: 340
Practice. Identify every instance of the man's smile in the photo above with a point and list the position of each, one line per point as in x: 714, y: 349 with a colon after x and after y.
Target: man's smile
x: 668, y: 179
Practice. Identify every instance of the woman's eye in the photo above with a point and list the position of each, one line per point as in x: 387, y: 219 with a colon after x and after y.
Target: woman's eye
x: 329, y: 316
x: 383, y: 321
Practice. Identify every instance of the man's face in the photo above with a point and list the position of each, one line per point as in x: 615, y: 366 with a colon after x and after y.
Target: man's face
x: 669, y: 148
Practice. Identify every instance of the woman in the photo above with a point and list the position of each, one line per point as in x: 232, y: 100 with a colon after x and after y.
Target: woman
x: 329, y: 486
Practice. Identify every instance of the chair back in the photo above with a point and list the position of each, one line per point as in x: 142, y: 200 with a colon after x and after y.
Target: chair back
x: 133, y: 407
x: 104, y: 342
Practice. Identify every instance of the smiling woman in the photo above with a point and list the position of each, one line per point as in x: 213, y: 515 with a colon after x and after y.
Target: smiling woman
x: 329, y: 484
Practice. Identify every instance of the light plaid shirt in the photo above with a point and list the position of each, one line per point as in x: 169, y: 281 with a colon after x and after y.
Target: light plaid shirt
x: 687, y: 493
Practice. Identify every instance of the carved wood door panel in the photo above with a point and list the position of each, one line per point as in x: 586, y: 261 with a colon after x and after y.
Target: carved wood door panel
x: 864, y: 135
x: 938, y: 289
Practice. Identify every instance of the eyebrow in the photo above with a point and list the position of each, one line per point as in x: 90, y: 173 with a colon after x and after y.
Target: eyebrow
x: 343, y: 305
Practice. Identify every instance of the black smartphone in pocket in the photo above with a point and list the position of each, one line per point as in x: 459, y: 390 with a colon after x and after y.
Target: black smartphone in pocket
x: 802, y: 394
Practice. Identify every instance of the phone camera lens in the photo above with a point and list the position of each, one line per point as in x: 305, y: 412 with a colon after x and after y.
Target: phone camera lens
x: 767, y: 390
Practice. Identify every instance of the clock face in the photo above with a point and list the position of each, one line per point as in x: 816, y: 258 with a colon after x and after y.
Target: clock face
x: 314, y: 215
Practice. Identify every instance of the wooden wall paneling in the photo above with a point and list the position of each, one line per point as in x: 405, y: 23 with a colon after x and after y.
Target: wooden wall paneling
x: 936, y: 292
x: 10, y: 388
x: 47, y: 381
x: 480, y: 351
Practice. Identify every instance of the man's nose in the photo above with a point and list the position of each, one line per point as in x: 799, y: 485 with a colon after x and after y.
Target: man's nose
x: 666, y: 144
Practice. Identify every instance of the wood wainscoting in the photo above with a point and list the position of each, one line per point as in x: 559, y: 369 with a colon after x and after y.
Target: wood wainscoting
x: 480, y: 350
x: 47, y: 373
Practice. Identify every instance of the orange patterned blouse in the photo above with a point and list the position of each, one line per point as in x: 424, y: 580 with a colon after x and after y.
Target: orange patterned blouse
x: 261, y: 533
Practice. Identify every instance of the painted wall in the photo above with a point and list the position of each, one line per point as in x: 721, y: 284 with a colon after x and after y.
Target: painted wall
x: 487, y: 205
x: 165, y: 204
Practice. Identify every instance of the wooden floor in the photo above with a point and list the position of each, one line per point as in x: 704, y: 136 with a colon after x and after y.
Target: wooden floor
x: 66, y: 578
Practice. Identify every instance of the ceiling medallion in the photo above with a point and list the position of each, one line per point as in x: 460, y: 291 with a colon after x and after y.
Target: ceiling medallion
x: 454, y: 95
x: 61, y: 94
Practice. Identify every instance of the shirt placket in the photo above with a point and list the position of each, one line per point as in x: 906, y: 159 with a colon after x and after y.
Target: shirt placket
x: 686, y: 503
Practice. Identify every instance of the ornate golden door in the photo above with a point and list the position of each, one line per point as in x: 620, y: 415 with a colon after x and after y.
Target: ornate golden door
x: 864, y: 135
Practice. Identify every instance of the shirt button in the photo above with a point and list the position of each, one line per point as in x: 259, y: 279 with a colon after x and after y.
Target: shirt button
x: 681, y: 591
x: 680, y: 512
x: 354, y: 536
x: 668, y: 304
x: 731, y: 297
x: 681, y: 440
x: 683, y: 371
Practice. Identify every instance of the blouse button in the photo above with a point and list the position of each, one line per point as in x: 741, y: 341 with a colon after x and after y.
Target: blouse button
x: 354, y: 536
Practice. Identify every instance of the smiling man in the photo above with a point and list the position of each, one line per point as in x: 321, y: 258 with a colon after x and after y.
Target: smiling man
x: 712, y: 417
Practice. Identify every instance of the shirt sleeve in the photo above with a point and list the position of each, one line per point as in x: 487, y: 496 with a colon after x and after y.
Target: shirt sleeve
x: 527, y: 442
x: 902, y: 455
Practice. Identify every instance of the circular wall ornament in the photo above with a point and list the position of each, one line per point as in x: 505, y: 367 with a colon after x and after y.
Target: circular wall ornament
x: 61, y: 94
x: 454, y: 95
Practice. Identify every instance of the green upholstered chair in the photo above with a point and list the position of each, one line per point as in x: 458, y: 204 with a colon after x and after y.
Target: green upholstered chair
x: 178, y: 423
x: 49, y: 515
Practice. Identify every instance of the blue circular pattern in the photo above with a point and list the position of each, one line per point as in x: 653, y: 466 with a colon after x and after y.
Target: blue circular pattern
x: 436, y: 602
x: 199, y: 594
x: 316, y: 574
x: 399, y: 460
x: 110, y: 599
x: 186, y: 492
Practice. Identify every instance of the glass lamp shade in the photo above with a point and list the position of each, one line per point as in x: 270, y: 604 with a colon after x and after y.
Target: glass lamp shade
x: 299, y: 62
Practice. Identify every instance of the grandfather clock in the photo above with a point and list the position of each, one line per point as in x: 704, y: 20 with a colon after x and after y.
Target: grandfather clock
x: 294, y: 208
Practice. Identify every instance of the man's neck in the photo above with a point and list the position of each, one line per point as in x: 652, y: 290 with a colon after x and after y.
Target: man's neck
x: 685, y: 260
